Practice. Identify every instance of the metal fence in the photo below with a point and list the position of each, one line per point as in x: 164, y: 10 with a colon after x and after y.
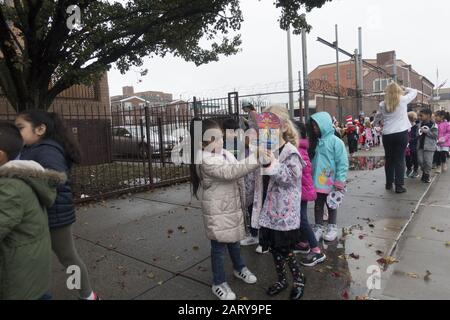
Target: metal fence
x: 128, y: 149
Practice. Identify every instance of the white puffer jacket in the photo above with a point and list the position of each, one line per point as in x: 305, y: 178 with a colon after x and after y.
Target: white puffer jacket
x: 222, y: 191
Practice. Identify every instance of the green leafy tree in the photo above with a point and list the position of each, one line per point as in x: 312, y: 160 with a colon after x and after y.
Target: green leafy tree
x: 45, y: 49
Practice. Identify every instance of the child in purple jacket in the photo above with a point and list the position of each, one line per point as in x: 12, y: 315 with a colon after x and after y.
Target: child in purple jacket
x: 308, y: 244
x: 443, y: 145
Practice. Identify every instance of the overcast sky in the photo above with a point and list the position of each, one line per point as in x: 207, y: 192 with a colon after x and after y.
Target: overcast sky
x: 418, y: 30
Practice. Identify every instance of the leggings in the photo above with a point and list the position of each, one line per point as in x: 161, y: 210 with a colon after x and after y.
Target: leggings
x: 441, y: 157
x: 321, y: 202
x: 395, y: 147
x: 64, y: 248
x: 281, y: 257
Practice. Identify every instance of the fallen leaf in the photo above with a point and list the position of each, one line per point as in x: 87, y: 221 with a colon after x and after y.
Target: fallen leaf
x: 170, y: 231
x: 419, y: 238
x: 354, y: 256
x: 361, y: 237
x: 412, y: 275
x: 140, y: 239
x: 329, y: 267
x: 379, y: 253
x: 202, y: 269
x: 427, y: 276
x: 439, y: 230
x: 433, y: 228
x: 345, y: 295
x: 319, y: 270
x: 177, y: 258
x: 243, y: 298
x: 335, y: 274
x: 362, y: 298
x: 160, y: 283
x: 119, y: 268
x: 342, y: 257
x: 387, y: 260
x: 447, y: 244
x: 371, y: 225
x: 195, y: 248
x: 151, y: 275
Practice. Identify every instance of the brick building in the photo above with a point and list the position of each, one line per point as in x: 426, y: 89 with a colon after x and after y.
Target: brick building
x: 374, y: 81
x: 442, y: 100
x: 152, y: 98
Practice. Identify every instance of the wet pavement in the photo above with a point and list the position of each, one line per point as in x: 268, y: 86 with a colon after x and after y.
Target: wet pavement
x: 153, y: 246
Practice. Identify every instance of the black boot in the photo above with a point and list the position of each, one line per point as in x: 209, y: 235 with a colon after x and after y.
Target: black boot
x: 389, y: 186
x: 426, y: 178
x: 400, y: 189
x: 299, y: 289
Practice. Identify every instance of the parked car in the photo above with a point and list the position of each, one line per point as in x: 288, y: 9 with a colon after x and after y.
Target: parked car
x: 132, y: 141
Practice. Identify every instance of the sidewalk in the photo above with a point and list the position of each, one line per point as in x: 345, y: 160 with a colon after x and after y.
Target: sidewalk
x: 153, y: 246
x: 424, y: 251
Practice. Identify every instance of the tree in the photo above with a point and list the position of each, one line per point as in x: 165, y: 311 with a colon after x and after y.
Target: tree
x: 44, y: 49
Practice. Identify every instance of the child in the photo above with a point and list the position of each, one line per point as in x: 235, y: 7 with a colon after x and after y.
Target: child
x: 412, y: 164
x: 443, y: 141
x: 52, y: 145
x: 25, y: 250
x: 276, y: 209
x: 308, y: 244
x: 219, y: 178
x: 352, y: 136
x: 330, y: 167
x: 368, y: 134
x: 427, y: 143
x: 360, y: 132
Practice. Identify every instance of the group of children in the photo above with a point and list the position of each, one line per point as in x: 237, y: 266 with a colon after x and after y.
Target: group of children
x: 275, y: 190
x: 37, y: 210
x: 361, y: 135
x: 429, y: 143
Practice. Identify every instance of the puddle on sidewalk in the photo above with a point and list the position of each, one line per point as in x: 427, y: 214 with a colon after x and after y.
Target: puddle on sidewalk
x: 358, y: 250
x: 366, y: 163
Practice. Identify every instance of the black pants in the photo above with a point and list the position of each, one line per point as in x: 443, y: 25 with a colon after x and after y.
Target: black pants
x: 319, y: 208
x: 352, y: 145
x: 395, y: 147
x: 412, y: 162
x: 441, y: 157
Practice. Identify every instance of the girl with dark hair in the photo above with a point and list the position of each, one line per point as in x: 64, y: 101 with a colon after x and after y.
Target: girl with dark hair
x: 50, y: 143
x: 219, y: 178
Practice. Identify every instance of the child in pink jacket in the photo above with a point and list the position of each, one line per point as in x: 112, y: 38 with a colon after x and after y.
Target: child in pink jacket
x: 308, y: 244
x: 443, y: 141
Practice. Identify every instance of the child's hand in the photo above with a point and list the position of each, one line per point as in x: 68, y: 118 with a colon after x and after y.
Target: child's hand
x: 442, y: 140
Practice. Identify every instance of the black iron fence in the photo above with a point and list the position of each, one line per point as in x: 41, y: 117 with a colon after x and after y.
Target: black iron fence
x: 128, y: 149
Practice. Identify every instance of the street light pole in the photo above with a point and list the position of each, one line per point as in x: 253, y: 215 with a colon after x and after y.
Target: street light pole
x: 291, y: 84
x: 305, y: 74
x: 338, y: 78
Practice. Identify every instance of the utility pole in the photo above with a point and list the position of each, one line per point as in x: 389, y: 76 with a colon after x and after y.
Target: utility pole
x: 291, y: 84
x: 305, y: 74
x: 358, y: 82
x: 395, y: 67
x: 300, y: 104
x: 338, y: 78
x: 361, y: 71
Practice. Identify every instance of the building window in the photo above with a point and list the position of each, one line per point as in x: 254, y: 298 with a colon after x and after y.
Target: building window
x: 325, y: 77
x: 349, y: 75
x: 379, y: 85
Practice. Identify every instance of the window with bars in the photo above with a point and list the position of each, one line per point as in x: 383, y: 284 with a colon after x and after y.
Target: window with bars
x: 379, y: 85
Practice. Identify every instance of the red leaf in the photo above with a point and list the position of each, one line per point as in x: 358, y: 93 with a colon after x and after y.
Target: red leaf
x: 345, y: 295
x: 335, y: 275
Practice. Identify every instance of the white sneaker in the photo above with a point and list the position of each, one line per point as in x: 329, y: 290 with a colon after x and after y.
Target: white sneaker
x: 444, y: 167
x: 246, y: 276
x: 249, y: 241
x: 259, y: 249
x: 318, y: 232
x: 224, y: 292
x: 438, y: 170
x: 332, y: 232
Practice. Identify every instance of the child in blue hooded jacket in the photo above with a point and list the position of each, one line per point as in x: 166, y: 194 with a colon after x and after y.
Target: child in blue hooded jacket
x: 330, y: 167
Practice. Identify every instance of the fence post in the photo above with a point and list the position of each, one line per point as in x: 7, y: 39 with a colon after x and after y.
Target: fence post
x: 162, y: 151
x: 149, y: 145
x: 195, y: 107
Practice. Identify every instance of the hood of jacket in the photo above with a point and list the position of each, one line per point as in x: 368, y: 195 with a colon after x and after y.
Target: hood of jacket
x: 325, y: 123
x: 42, y: 182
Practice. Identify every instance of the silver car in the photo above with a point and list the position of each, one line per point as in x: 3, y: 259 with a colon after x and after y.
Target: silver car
x: 132, y: 141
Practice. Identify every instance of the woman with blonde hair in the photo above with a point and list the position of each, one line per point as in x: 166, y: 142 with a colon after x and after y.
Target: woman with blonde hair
x: 393, y: 112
